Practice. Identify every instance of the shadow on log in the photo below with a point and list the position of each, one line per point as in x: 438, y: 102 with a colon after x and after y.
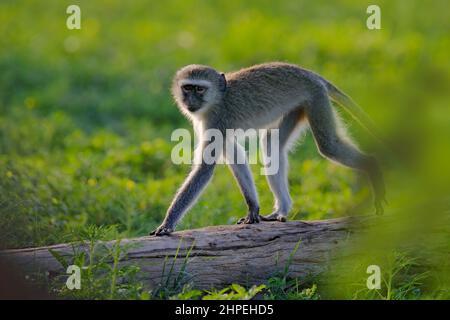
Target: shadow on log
x: 220, y: 255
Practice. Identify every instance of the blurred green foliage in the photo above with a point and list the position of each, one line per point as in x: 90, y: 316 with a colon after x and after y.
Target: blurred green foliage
x: 86, y: 115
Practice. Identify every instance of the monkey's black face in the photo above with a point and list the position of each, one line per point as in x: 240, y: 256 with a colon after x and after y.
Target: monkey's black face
x: 193, y: 96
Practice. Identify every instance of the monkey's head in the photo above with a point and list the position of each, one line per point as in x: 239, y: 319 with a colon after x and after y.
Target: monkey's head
x: 197, y: 88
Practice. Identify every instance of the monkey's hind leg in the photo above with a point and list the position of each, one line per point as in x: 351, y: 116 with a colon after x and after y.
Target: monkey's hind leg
x: 335, y: 146
x: 278, y: 182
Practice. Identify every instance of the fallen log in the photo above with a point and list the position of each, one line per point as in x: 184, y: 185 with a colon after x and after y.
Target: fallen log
x: 219, y: 255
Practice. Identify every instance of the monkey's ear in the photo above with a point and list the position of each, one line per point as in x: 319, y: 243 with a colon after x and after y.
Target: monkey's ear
x: 223, y: 82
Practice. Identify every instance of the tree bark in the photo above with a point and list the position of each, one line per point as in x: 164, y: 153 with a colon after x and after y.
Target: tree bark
x: 220, y: 255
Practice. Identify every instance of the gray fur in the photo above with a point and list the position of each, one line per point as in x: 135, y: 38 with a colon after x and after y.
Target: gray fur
x: 275, y: 95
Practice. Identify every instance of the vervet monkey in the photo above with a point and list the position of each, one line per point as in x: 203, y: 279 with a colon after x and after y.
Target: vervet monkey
x: 276, y: 95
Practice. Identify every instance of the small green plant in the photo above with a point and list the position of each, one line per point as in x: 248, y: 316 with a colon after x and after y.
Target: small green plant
x: 101, y: 275
x: 298, y: 292
x: 281, y: 286
x: 188, y: 293
x: 234, y: 292
x: 401, y: 279
x: 173, y: 283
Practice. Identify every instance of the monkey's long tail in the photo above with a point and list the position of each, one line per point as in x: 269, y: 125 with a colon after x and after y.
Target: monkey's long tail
x: 355, y: 110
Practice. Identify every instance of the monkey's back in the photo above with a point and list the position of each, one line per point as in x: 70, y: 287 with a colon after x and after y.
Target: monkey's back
x: 267, y: 91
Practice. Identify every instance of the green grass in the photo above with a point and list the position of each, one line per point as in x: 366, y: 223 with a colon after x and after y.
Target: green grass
x: 86, y: 115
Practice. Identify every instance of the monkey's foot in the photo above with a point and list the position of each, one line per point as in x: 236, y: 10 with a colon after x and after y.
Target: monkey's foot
x: 249, y: 219
x: 161, y: 231
x: 379, y: 209
x: 274, y: 217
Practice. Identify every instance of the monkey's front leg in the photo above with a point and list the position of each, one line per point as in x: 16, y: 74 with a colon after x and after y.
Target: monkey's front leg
x: 244, y: 178
x: 189, y: 191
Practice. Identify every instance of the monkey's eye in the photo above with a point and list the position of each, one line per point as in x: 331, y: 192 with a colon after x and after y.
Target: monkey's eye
x: 200, y: 89
x: 187, y: 87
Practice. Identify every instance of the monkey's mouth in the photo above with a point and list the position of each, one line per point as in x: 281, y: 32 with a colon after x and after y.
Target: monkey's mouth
x: 193, y: 108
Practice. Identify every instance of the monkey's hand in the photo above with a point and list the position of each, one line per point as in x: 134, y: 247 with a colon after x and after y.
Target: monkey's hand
x: 162, y: 230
